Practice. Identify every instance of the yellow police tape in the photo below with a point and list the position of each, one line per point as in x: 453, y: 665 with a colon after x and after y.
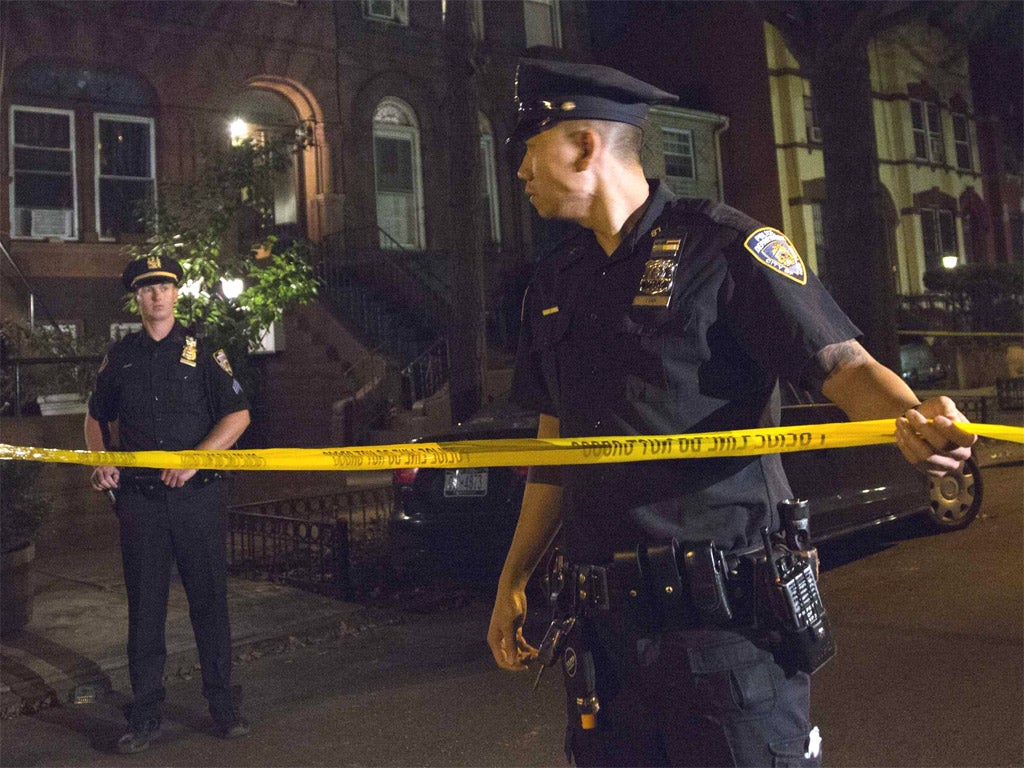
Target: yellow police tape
x: 504, y: 453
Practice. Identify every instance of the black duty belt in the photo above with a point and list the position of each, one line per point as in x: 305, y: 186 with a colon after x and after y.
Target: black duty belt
x: 150, y: 485
x: 664, y: 586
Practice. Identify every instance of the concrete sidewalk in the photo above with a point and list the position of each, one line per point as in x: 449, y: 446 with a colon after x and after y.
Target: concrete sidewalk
x: 75, y: 644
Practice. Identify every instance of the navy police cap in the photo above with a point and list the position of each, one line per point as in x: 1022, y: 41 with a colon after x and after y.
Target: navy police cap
x: 150, y: 270
x: 548, y: 92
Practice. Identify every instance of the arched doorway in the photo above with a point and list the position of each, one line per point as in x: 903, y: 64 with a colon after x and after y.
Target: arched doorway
x: 275, y: 107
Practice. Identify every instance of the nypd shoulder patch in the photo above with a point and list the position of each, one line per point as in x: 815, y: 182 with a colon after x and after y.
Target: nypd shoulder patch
x: 775, y: 251
x: 222, y: 360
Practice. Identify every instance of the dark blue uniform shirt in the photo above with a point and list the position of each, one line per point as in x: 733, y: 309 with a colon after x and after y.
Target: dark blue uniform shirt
x: 602, y: 351
x: 165, y: 395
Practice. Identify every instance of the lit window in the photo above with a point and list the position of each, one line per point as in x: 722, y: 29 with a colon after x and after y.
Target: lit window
x: 926, y: 124
x: 962, y: 141
x: 125, y: 177
x: 394, y: 11
x: 938, y: 230
x: 680, y: 170
x: 43, y: 160
x: 397, y: 176
x: 489, y: 178
x: 543, y: 26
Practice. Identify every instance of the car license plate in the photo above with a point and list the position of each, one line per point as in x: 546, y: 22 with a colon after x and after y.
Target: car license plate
x: 465, y: 482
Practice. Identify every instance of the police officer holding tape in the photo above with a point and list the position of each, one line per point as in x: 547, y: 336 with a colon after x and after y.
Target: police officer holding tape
x: 688, y: 620
x: 162, y: 389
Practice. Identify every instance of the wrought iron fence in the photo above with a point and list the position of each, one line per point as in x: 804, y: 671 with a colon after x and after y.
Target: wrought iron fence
x: 330, y: 543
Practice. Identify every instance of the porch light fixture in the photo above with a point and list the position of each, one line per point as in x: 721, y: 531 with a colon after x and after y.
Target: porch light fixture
x: 950, y: 262
x: 239, y: 131
x: 232, y: 287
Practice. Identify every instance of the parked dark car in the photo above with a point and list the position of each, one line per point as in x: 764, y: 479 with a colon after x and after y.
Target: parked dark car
x: 919, y: 366
x: 463, y: 519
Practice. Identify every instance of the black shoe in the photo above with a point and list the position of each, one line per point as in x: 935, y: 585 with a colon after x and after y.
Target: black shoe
x: 233, y: 726
x: 138, y: 737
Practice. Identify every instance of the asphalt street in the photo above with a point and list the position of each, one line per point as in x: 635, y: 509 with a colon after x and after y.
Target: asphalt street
x: 928, y: 673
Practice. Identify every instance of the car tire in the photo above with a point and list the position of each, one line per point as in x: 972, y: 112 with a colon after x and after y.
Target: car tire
x: 955, y: 498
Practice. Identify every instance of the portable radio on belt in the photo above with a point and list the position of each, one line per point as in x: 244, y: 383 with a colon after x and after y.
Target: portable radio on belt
x: 791, y: 593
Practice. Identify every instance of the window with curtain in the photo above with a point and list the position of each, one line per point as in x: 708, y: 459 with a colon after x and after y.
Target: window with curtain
x: 398, y: 176
x: 125, y: 176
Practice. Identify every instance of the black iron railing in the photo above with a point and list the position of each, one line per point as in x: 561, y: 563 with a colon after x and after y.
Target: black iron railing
x: 330, y: 543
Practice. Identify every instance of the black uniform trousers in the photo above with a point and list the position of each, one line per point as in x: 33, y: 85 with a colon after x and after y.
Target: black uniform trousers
x: 697, y: 697
x: 161, y: 525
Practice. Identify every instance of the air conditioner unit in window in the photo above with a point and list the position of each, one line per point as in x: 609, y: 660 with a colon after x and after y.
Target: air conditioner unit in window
x: 52, y: 222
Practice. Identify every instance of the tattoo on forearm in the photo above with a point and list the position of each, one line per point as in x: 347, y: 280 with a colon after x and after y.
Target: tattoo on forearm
x: 831, y: 358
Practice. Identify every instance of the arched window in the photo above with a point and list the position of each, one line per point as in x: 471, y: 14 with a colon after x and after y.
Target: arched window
x: 397, y: 175
x: 489, y: 179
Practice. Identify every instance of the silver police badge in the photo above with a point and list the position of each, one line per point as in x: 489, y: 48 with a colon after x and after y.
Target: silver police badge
x: 659, y: 274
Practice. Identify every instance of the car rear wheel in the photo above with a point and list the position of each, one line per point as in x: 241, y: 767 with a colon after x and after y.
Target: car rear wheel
x: 955, y: 498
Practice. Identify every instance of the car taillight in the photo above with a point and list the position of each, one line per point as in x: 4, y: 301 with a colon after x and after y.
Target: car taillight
x: 404, y: 476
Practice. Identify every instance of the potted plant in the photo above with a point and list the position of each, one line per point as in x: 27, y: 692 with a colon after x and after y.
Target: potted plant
x: 22, y: 508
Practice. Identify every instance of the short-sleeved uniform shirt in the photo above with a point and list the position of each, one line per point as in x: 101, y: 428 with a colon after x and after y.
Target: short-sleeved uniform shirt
x: 687, y: 327
x: 165, y: 395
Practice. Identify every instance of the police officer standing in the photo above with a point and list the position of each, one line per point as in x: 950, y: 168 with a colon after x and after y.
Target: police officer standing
x: 665, y: 316
x: 162, y: 389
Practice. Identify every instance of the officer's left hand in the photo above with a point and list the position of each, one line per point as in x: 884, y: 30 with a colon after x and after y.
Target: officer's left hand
x: 176, y: 478
x: 929, y: 438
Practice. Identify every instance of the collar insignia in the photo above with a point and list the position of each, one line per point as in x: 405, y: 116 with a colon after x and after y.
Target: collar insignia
x: 549, y: 311
x: 188, y: 352
x: 775, y: 251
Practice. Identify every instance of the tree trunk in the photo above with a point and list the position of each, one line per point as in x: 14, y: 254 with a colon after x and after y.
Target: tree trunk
x: 466, y: 328
x: 858, y: 247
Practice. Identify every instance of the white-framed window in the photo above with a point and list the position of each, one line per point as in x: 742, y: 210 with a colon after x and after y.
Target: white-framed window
x: 476, y: 18
x: 44, y: 200
x: 926, y: 123
x: 962, y: 141
x: 489, y: 178
x: 393, y: 11
x: 680, y: 167
x: 938, y: 230
x: 543, y: 23
x: 397, y: 173
x: 125, y: 173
